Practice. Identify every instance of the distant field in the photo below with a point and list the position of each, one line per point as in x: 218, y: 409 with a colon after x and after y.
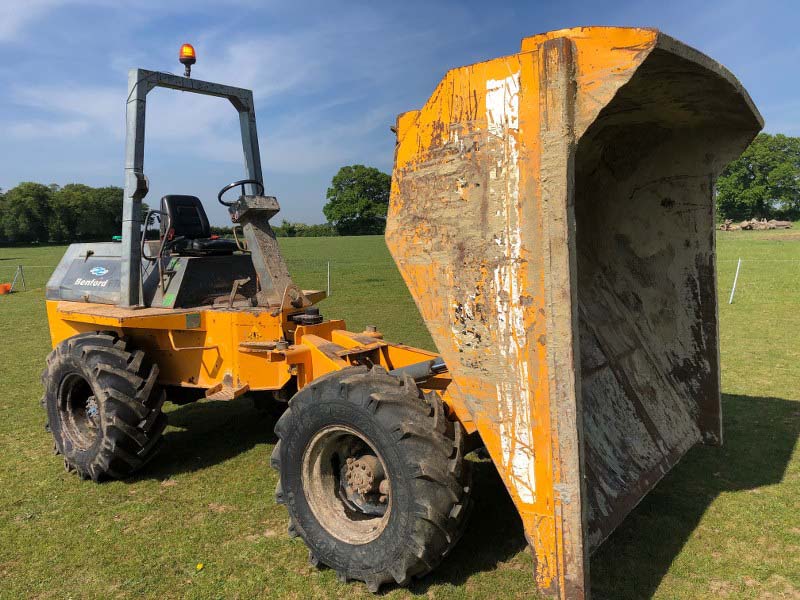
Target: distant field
x: 724, y: 523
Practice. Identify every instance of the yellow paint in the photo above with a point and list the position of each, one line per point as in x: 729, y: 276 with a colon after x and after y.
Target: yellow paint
x: 226, y: 344
x: 490, y: 150
x: 475, y: 228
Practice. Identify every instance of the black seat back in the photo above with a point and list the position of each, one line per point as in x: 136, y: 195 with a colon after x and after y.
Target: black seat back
x: 187, y: 218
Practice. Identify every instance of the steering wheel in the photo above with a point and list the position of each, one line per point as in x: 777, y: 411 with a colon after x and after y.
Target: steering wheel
x: 241, y: 182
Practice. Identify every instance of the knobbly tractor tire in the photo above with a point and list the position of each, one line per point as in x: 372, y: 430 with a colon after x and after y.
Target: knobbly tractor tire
x: 373, y: 475
x: 103, y: 406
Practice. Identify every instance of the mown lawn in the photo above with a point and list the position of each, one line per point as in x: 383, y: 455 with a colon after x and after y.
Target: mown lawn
x: 724, y: 523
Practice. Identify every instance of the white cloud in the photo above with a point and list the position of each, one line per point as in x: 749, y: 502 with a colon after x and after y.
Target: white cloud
x: 290, y: 148
x: 270, y: 66
x: 100, y: 106
x: 309, y: 77
x: 16, y: 14
x: 275, y: 67
x: 28, y: 130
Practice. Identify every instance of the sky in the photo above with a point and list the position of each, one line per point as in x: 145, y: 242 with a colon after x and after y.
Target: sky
x: 329, y: 79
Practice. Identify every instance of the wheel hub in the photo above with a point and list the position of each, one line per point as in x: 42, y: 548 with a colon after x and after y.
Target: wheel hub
x: 346, y: 484
x: 364, y: 487
x: 92, y: 411
x: 80, y: 412
x: 364, y: 474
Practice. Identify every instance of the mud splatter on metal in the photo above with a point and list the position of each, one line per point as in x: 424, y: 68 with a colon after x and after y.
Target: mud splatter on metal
x: 552, y: 215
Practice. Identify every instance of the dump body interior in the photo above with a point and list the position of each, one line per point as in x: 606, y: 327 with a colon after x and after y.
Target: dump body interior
x: 646, y: 276
x: 552, y: 213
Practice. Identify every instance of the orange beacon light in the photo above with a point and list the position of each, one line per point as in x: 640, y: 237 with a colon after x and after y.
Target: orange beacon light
x: 187, y: 57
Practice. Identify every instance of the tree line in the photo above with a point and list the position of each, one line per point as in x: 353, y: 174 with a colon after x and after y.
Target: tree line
x: 357, y: 202
x: 287, y: 229
x: 33, y: 212
x: 763, y: 183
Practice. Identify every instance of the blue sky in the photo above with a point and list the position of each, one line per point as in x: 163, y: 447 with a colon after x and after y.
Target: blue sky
x: 329, y: 79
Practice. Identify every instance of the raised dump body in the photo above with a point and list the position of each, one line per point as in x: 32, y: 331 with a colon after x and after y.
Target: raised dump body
x: 552, y: 213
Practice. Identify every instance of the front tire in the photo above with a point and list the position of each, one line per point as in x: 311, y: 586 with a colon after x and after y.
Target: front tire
x: 103, y: 406
x: 373, y: 476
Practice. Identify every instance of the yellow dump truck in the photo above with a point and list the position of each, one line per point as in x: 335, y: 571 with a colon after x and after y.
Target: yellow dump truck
x: 552, y: 213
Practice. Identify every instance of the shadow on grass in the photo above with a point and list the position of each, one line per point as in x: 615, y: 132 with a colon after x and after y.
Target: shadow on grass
x: 203, y: 434
x: 759, y: 434
x: 494, y: 534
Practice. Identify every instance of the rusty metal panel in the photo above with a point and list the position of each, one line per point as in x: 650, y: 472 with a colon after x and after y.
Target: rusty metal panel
x: 552, y: 215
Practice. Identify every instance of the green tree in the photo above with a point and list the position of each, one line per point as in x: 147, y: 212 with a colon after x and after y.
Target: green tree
x: 84, y: 213
x: 764, y: 182
x: 322, y: 230
x: 358, y: 200
x: 105, y: 220
x: 25, y: 212
x: 67, y: 211
x: 75, y: 212
x: 288, y: 229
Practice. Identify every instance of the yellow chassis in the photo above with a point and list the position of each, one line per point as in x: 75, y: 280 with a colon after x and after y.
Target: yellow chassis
x: 230, y: 351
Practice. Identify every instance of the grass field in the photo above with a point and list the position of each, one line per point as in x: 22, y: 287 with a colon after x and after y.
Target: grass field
x: 724, y: 523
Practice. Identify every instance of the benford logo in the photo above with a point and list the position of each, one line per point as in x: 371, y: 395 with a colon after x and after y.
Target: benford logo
x: 91, y: 282
x: 98, y: 271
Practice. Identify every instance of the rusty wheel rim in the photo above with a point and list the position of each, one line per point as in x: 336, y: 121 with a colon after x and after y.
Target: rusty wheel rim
x: 346, y: 484
x: 79, y: 411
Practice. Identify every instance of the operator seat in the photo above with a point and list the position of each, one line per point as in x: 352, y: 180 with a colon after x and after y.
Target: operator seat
x: 189, y: 233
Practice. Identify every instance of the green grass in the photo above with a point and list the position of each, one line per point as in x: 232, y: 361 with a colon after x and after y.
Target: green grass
x: 725, y: 522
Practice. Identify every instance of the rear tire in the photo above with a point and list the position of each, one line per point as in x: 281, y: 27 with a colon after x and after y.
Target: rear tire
x: 388, y: 427
x: 103, y: 406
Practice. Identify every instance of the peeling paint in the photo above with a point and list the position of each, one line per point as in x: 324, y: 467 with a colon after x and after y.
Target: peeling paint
x: 575, y: 309
x: 513, y: 396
